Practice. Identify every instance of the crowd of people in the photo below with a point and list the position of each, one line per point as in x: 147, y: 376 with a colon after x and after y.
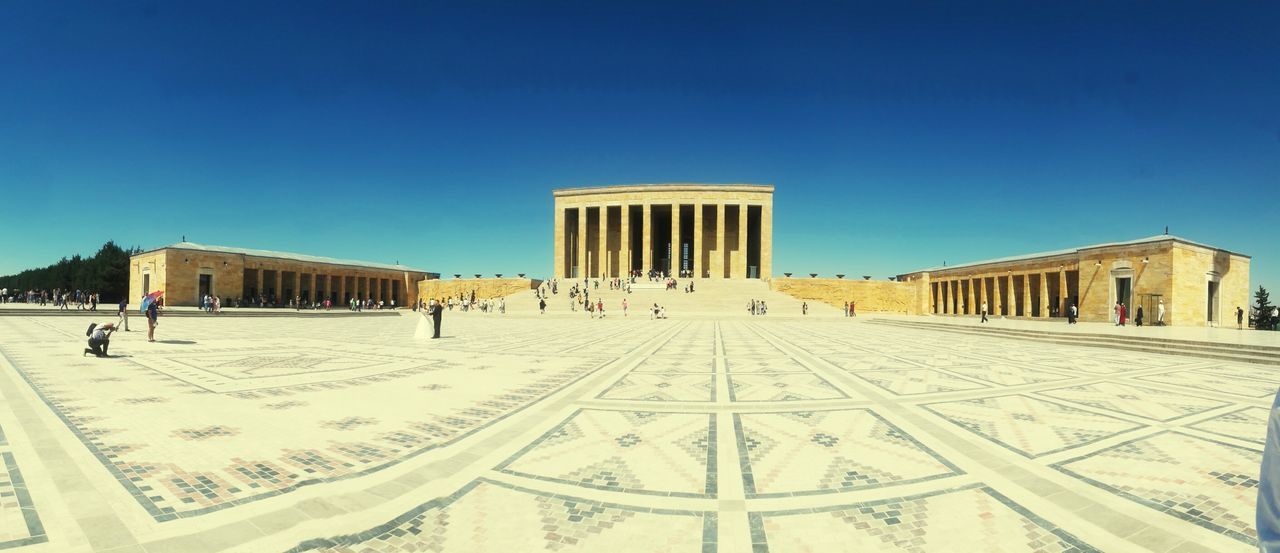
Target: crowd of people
x: 61, y: 299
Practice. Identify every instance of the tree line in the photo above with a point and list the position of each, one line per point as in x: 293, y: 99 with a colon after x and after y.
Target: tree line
x: 106, y: 272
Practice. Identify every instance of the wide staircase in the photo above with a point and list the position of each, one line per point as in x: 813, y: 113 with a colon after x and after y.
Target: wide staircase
x: 1242, y: 353
x: 710, y: 298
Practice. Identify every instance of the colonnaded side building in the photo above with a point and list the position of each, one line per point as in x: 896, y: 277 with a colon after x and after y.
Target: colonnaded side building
x: 704, y: 230
x: 187, y: 272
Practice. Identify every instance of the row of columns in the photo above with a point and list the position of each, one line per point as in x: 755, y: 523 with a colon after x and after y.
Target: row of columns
x: 322, y: 286
x: 966, y: 295
x: 602, y: 269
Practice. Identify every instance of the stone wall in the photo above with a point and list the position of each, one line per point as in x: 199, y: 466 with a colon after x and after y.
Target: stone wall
x: 1097, y: 289
x: 870, y: 295
x: 154, y: 264
x: 485, y: 288
x: 1191, y: 285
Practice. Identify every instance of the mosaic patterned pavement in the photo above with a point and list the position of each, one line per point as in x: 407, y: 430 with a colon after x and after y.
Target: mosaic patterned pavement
x: 559, y: 434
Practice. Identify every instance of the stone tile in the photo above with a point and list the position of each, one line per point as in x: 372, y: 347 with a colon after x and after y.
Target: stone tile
x: 1029, y: 426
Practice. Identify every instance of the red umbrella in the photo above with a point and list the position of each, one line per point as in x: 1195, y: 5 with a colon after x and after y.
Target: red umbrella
x: 150, y: 299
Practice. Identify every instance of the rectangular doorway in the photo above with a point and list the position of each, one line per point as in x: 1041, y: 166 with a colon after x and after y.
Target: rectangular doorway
x: 206, y: 287
x: 1211, y: 308
x: 146, y: 284
x: 1124, y: 289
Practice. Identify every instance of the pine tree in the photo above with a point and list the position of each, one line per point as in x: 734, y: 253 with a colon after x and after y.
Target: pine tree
x: 1263, y: 308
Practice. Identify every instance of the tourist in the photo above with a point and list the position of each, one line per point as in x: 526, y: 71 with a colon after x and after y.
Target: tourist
x: 804, y: 308
x: 99, y: 339
x: 542, y: 306
x: 1124, y: 313
x: 853, y: 309
x: 600, y: 307
x: 1160, y: 314
x: 845, y: 309
x: 502, y: 306
x: 1275, y: 318
x: 1072, y: 314
x: 1137, y: 320
x: 93, y: 302
x: 123, y: 314
x: 624, y: 308
x: 984, y: 312
x: 1115, y: 313
x: 1239, y: 318
x: 153, y: 315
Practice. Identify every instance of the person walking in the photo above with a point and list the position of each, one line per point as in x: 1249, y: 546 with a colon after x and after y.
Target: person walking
x: 624, y: 307
x: 1160, y: 314
x: 853, y: 309
x: 599, y: 304
x: 984, y: 312
x: 153, y: 314
x: 1137, y: 320
x: 542, y: 306
x: 1124, y: 314
x: 1072, y: 314
x: 804, y: 308
x: 123, y: 314
x: 1239, y: 318
x: 436, y: 314
x: 99, y: 339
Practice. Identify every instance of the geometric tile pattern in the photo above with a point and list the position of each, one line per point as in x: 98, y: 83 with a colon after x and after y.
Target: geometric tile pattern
x: 917, y: 381
x: 814, y: 452
x: 968, y: 519
x: 1029, y: 426
x: 781, y: 387
x: 635, y: 452
x: 1248, y: 424
x: 1125, y: 398
x: 1208, y: 483
x: 19, y: 522
x: 530, y: 521
x: 807, y: 434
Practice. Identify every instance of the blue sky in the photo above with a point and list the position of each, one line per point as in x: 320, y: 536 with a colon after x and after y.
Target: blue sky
x: 899, y: 134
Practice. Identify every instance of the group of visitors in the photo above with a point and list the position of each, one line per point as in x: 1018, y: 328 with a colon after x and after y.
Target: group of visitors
x: 758, y: 307
x: 100, y: 334
x: 211, y: 304
x: 851, y: 308
x: 62, y: 299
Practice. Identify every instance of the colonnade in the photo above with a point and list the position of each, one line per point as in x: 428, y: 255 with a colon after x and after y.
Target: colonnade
x: 703, y: 239
x: 288, y: 281
x: 1038, y: 294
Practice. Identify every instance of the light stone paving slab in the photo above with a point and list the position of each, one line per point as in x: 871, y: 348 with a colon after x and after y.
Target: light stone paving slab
x: 571, y: 434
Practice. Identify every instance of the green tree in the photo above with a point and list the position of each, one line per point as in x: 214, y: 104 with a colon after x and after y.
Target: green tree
x: 1262, y: 305
x: 106, y: 273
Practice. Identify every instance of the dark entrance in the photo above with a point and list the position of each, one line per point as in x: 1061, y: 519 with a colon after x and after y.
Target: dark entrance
x: 206, y: 287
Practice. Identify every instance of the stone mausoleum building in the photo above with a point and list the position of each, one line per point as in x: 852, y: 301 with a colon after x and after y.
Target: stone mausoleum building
x: 1199, y: 285
x: 705, y: 230
x: 187, y: 271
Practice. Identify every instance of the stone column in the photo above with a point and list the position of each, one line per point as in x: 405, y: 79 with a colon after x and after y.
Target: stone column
x: 1044, y: 295
x: 946, y: 297
x: 646, y: 256
x: 740, y: 271
x: 375, y: 289
x: 998, y: 302
x: 766, y: 240
x: 297, y: 285
x: 582, y: 243
x: 1063, y: 308
x: 602, y: 255
x: 558, y: 235
x: 624, y: 242
x: 982, y: 294
x: 342, y: 288
x: 1010, y: 304
x: 1026, y: 295
x: 695, y: 246
x: 717, y: 261
x: 973, y: 307
x: 675, y: 239
x: 260, y: 292
x: 279, y: 286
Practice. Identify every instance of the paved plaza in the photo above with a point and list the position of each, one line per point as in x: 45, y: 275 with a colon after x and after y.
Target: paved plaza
x: 562, y: 434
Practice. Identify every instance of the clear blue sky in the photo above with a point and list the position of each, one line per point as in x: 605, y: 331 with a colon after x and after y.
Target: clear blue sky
x: 898, y: 134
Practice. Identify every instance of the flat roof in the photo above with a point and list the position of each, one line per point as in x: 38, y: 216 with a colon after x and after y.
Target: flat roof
x: 670, y: 186
x: 1069, y: 251
x: 284, y: 255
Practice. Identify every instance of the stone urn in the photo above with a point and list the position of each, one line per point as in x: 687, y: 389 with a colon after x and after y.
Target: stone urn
x: 788, y: 275
x: 477, y: 275
x: 455, y: 275
x: 840, y: 276
x: 813, y: 275
x: 866, y: 277
x: 521, y: 275
x: 497, y: 275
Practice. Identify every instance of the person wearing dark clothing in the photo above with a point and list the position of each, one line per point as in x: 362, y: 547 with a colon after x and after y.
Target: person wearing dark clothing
x: 1137, y: 320
x: 1239, y: 318
x: 99, y: 339
x: 124, y: 315
x: 437, y: 311
x: 153, y: 314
